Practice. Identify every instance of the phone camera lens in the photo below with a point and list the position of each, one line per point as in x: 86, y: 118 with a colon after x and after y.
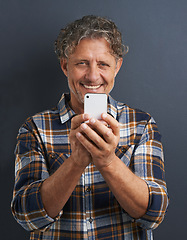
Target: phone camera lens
x: 87, y: 96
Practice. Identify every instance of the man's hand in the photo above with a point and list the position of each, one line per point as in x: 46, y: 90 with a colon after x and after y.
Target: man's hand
x: 100, y: 140
x: 130, y: 191
x: 79, y: 153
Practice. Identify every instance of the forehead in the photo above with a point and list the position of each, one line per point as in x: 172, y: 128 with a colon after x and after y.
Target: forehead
x: 89, y: 46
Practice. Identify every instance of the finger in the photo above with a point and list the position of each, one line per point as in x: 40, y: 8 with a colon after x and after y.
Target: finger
x: 114, y: 124
x: 103, y: 122
x: 78, y: 119
x: 87, y: 144
x: 102, y: 130
x: 93, y: 135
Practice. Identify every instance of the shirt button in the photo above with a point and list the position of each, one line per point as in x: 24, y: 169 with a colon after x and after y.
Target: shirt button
x: 91, y: 220
x: 123, y: 150
x: 52, y: 155
x: 88, y: 189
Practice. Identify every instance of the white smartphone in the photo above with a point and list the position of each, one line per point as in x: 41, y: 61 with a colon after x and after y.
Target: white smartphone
x: 95, y: 104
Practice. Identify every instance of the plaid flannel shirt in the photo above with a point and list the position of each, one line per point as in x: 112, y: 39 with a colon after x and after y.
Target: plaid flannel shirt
x: 92, y: 212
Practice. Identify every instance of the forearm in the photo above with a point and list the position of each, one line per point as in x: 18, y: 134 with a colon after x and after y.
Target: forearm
x: 130, y: 191
x: 56, y: 190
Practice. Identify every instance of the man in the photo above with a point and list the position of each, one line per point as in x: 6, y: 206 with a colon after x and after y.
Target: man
x: 81, y: 178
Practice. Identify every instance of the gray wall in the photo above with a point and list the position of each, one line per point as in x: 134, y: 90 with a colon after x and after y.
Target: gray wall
x: 153, y: 78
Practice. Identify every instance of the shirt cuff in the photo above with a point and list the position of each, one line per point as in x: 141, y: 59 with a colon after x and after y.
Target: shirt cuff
x: 157, y: 206
x: 28, y: 209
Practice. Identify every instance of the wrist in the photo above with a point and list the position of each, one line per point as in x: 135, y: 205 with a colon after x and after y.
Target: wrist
x: 108, y: 165
x: 78, y: 165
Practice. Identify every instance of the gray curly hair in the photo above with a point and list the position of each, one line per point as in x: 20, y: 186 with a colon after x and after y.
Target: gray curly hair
x: 93, y: 27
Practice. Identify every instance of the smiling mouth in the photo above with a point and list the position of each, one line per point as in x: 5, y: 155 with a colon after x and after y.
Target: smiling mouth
x: 92, y: 87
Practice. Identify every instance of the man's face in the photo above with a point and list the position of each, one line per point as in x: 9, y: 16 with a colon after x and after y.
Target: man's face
x: 90, y: 69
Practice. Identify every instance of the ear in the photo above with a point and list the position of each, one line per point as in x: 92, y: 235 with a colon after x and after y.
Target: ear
x: 63, y: 64
x: 118, y: 65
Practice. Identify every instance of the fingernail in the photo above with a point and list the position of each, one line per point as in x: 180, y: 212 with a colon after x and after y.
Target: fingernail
x: 92, y: 121
x: 86, y: 116
x: 78, y: 134
x: 104, y: 115
x: 83, y: 126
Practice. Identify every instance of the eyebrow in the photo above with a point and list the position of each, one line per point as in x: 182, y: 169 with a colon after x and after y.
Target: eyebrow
x: 80, y: 60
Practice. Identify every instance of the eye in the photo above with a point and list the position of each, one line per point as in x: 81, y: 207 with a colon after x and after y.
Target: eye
x: 103, y: 64
x: 80, y: 63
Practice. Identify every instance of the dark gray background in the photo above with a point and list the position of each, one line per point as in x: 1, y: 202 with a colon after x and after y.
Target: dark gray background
x: 153, y: 78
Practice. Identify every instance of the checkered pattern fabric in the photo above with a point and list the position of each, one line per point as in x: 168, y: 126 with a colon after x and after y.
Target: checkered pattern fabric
x: 92, y: 212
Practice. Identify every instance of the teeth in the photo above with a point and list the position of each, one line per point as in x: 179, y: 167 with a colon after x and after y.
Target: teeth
x: 92, y: 87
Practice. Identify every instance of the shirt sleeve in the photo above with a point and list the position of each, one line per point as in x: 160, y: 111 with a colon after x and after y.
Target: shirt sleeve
x: 148, y: 163
x: 30, y: 172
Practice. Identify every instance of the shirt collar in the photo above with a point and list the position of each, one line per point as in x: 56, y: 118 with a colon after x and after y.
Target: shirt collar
x: 66, y: 113
x: 112, y: 107
x: 64, y: 109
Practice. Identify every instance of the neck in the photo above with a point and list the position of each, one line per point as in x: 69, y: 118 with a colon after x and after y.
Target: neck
x: 77, y: 109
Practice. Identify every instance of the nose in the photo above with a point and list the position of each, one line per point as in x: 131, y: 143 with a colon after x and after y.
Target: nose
x: 92, y: 73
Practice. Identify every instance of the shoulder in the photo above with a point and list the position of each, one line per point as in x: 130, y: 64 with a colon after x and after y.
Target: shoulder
x: 41, y: 119
x: 46, y: 115
x: 128, y: 114
x: 136, y: 122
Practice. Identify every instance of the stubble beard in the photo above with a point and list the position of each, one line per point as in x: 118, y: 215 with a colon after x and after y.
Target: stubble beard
x: 77, y: 95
